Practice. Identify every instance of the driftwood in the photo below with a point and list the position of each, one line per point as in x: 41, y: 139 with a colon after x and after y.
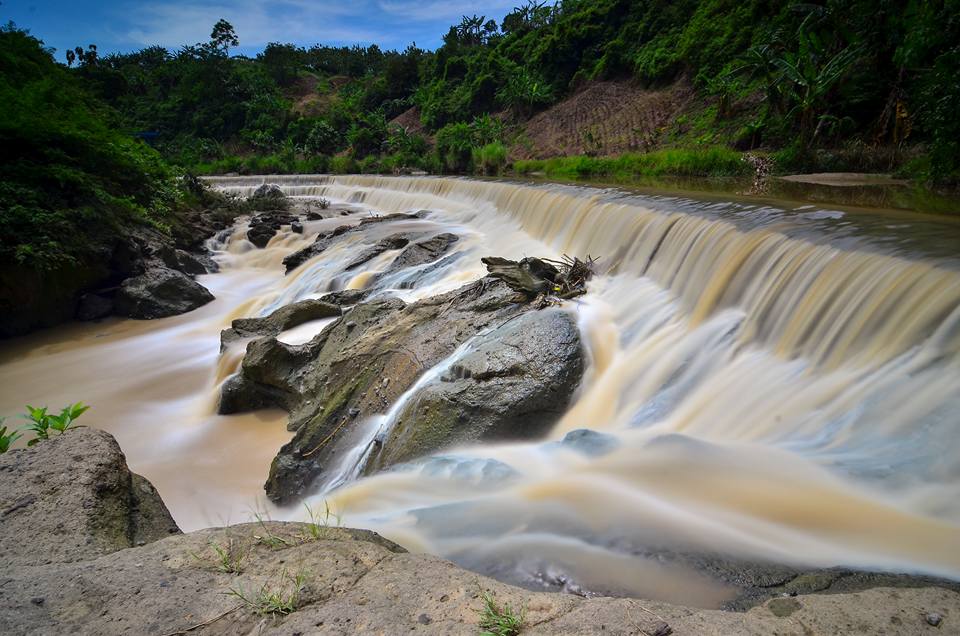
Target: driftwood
x: 542, y: 278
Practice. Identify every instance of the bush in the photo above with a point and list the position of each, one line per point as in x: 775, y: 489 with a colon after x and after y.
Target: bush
x: 490, y: 159
x: 707, y: 162
x: 342, y: 165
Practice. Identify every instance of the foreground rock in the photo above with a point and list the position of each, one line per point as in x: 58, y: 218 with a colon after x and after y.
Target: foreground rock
x: 70, y: 510
x: 72, y: 498
x: 158, y: 293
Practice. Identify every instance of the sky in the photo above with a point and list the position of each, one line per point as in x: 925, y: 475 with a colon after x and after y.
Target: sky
x: 128, y: 25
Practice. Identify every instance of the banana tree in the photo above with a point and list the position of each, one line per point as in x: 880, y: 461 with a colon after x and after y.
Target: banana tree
x: 806, y: 78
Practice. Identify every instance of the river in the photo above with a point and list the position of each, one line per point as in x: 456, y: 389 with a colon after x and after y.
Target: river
x: 782, y: 380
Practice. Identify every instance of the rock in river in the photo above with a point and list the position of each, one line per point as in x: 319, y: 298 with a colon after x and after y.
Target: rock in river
x: 512, y: 383
x: 160, y: 292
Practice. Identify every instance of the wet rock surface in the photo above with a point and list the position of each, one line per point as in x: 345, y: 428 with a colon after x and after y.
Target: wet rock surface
x: 160, y: 292
x: 265, y: 225
x: 337, y: 379
x: 425, y: 251
x: 286, y: 317
x: 324, y: 240
x: 512, y: 383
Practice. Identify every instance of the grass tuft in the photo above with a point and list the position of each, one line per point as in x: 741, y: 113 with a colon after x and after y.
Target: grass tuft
x: 320, y: 523
x: 499, y: 620
x: 276, y: 599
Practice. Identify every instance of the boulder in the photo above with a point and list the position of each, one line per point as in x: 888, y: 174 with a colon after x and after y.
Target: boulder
x: 358, y: 367
x: 512, y: 383
x: 265, y: 225
x: 423, y: 252
x: 72, y: 498
x: 392, y: 242
x: 94, y: 307
x: 320, y: 243
x: 160, y: 292
x: 286, y: 317
x: 268, y: 191
x: 326, y: 239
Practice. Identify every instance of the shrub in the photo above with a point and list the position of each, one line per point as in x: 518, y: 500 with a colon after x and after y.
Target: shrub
x: 342, y: 165
x: 490, y: 159
x: 41, y: 422
x: 7, y: 439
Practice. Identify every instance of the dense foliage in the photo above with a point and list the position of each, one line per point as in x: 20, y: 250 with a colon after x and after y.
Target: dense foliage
x: 69, y: 175
x: 777, y: 75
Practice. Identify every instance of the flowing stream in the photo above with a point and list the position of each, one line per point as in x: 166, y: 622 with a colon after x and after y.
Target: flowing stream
x: 779, y: 382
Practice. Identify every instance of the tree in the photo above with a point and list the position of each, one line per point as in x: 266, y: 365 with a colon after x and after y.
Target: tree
x: 807, y: 76
x: 223, y: 36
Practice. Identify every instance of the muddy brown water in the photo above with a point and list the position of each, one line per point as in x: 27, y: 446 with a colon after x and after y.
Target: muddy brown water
x: 780, y: 380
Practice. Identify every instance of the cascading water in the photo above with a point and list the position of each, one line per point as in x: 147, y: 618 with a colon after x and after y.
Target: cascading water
x: 773, y: 384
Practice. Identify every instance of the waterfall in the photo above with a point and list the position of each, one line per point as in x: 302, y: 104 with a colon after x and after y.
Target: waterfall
x: 781, y: 383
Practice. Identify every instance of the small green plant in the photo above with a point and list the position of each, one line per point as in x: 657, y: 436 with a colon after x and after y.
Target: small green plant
x: 277, y: 599
x: 227, y: 558
x: 6, y: 440
x: 41, y: 422
x: 320, y: 523
x: 499, y: 620
x: 267, y: 537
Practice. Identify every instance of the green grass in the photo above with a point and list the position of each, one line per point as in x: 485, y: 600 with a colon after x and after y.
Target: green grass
x: 701, y: 162
x: 277, y: 599
x: 320, y: 523
x: 499, y: 620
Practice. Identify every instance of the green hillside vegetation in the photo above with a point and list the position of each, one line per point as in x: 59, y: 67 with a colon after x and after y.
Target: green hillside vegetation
x: 842, y: 84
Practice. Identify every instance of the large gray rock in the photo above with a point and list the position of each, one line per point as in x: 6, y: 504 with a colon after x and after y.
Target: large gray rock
x: 512, y: 383
x: 287, y: 317
x: 423, y: 252
x: 72, y: 498
x: 268, y: 191
x: 324, y: 240
x: 70, y: 512
x: 358, y: 367
x: 160, y: 292
x: 392, y: 242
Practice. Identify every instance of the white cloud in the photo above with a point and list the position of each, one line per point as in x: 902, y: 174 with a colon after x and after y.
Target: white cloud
x: 428, y: 10
x: 174, y: 23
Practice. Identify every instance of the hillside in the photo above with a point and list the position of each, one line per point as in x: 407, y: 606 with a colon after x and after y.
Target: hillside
x: 604, y: 118
x: 839, y: 85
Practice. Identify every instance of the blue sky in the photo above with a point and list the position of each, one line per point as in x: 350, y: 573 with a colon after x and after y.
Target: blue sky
x: 127, y: 25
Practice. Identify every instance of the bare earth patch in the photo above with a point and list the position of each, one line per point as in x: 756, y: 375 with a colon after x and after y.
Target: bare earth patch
x: 604, y: 118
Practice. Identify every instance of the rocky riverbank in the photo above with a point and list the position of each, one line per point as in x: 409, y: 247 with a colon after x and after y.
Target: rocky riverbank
x: 88, y: 548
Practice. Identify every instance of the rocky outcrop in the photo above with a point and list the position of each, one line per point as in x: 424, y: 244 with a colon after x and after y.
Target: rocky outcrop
x: 325, y: 239
x: 160, y: 292
x: 87, y: 547
x: 287, y: 317
x: 512, y: 383
x: 357, y: 367
x: 341, y: 581
x: 265, y: 225
x: 268, y: 191
x: 422, y: 252
x: 393, y: 242
x: 72, y: 498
